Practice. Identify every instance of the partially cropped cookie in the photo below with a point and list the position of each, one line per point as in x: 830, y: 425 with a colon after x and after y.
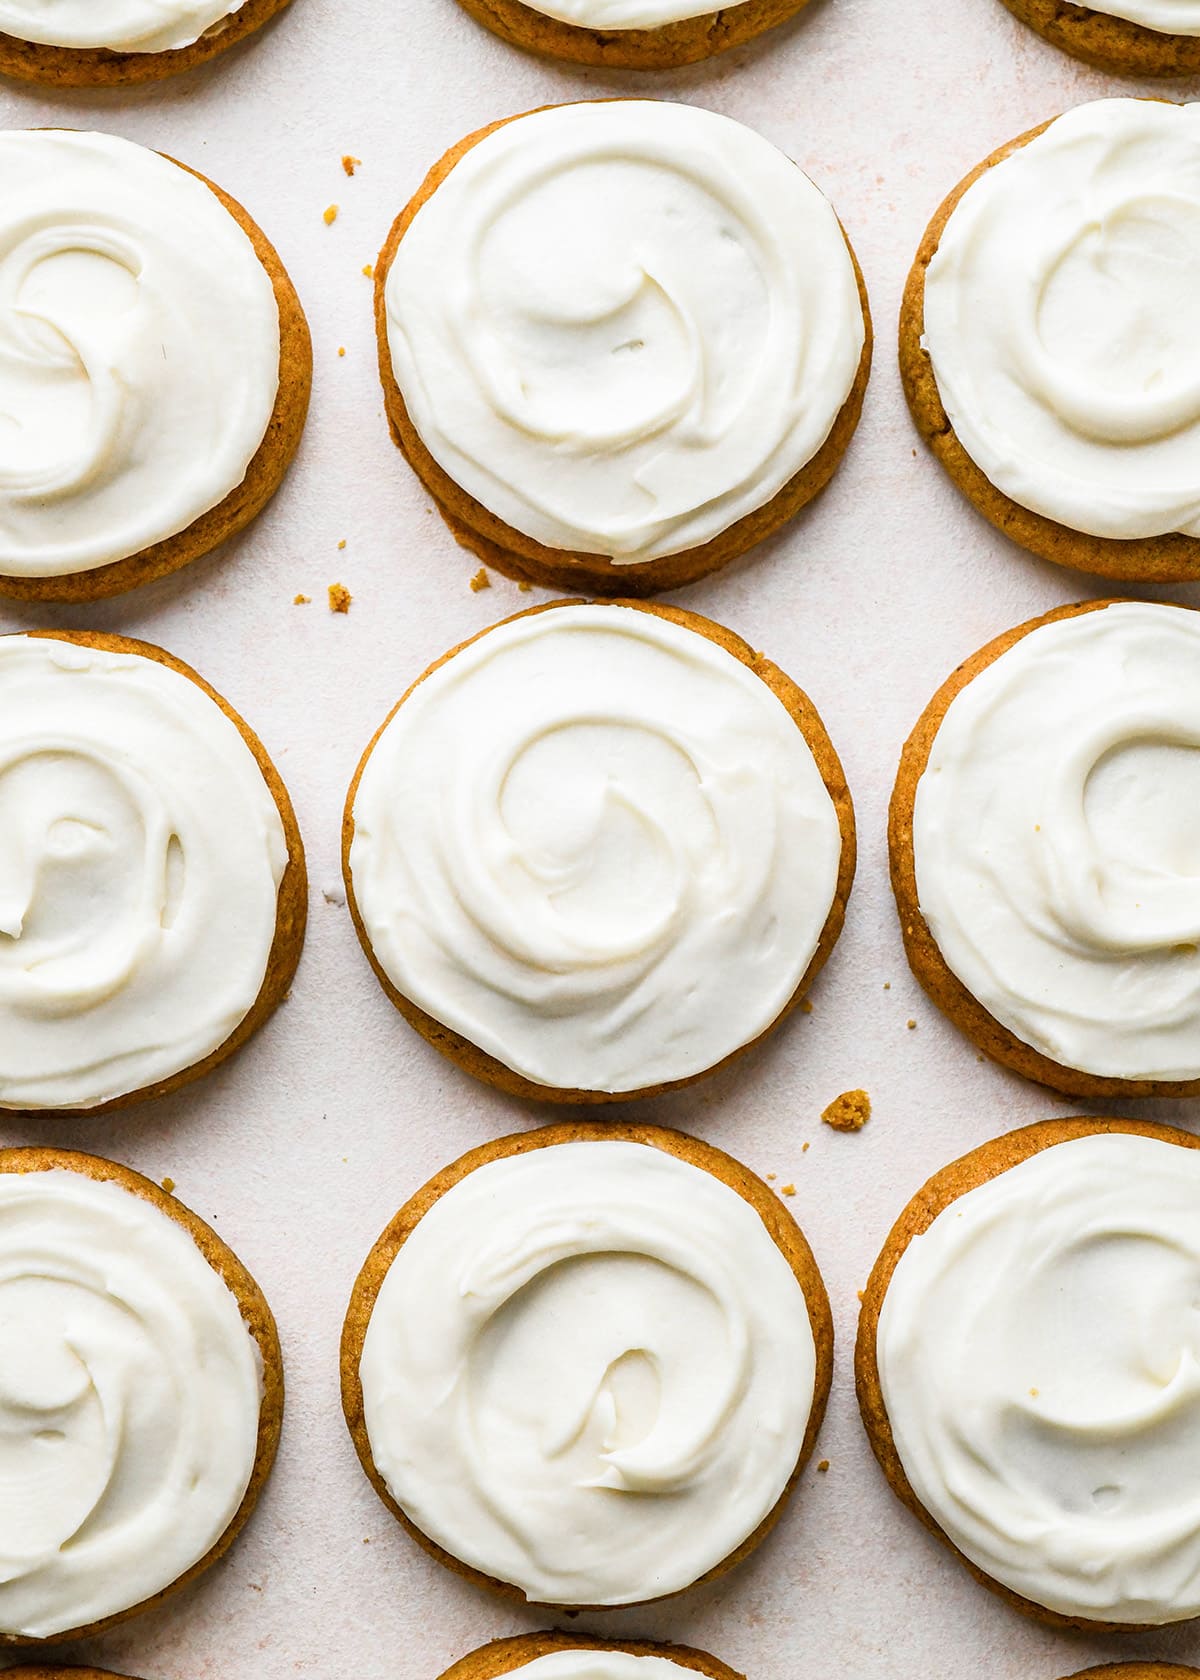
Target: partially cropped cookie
x: 1049, y: 343
x: 620, y: 342
x: 119, y: 43
x: 1027, y: 1368
x: 585, y: 1365
x: 156, y: 366
x: 141, y: 1400
x: 1044, y: 854
x: 565, y: 1656
x: 152, y: 882
x: 598, y: 850
x: 1128, y: 37
x: 630, y: 34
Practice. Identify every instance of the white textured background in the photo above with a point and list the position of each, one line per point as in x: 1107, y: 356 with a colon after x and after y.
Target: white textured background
x: 302, y: 1147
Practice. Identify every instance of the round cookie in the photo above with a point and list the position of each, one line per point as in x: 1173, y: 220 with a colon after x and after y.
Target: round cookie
x: 592, y: 32
x: 1061, y: 972
x: 1037, y: 1515
x: 1119, y: 44
x: 601, y: 995
x: 63, y: 65
x: 515, y: 1655
x: 154, y: 1307
x: 710, y: 420
x: 1059, y: 429
x: 125, y: 983
x: 593, y: 1254
x: 168, y: 418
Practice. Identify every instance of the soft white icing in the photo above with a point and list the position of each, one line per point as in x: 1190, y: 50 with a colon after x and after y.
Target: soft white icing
x: 122, y: 25
x: 130, y: 1392
x: 139, y: 351
x: 1057, y: 856
x: 623, y: 325
x: 1039, y: 1356
x: 596, y: 845
x: 1060, y: 320
x: 1169, y: 17
x: 140, y: 853
x: 588, y: 1372
x: 587, y: 1663
x: 624, y: 14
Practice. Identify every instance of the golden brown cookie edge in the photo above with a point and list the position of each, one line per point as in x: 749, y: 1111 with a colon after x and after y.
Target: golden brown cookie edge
x: 1108, y: 43
x: 81, y: 67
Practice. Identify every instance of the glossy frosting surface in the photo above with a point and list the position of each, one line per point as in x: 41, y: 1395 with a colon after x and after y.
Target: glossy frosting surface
x: 123, y: 25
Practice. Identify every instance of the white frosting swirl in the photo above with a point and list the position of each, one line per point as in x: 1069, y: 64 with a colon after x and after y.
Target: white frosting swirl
x: 1039, y: 1356
x: 139, y: 351
x: 596, y: 845
x: 623, y: 325
x: 1168, y: 17
x: 589, y: 1372
x: 1060, y: 320
x: 130, y: 1392
x: 589, y: 1663
x: 140, y: 853
x: 1057, y: 860
x: 123, y: 25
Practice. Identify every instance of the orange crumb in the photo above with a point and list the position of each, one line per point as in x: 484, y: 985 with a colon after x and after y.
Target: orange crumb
x: 862, y: 1294
x: 787, y: 1189
x: 168, y: 1185
x: 480, y: 581
x: 849, y: 1112
x: 1033, y: 1393
x: 339, y: 598
x: 301, y: 600
x: 342, y: 543
x: 524, y: 588
x: 369, y: 270
x: 771, y: 1178
x: 910, y: 1024
x: 804, y: 1148
x: 330, y: 214
x: 887, y: 985
x: 341, y: 349
x: 350, y: 164
x: 824, y: 1465
x: 806, y: 1007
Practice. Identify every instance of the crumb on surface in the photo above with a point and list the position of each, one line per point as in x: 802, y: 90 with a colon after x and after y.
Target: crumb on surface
x: 804, y: 1148
x: 887, y: 985
x: 341, y: 349
x: 342, y: 542
x: 1033, y: 1393
x: 331, y: 211
x: 787, y: 1189
x: 771, y: 1178
x: 350, y: 164
x: 339, y: 598
x: 525, y: 588
x: 301, y: 600
x: 824, y: 1465
x: 806, y: 1007
x: 848, y: 1112
x: 369, y: 270
x: 480, y: 581
x: 168, y: 1185
x: 910, y: 1024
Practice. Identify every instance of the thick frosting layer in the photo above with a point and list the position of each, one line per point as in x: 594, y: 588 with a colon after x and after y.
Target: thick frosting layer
x: 1060, y: 320
x: 123, y: 25
x: 1169, y: 17
x: 589, y: 1372
x: 1057, y: 860
x: 130, y: 1391
x: 1039, y: 1355
x: 588, y: 1664
x: 621, y: 326
x: 597, y: 846
x: 139, y: 350
x: 140, y: 853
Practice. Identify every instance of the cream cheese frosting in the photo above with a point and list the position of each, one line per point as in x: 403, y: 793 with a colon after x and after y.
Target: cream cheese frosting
x: 139, y: 350
x: 122, y: 25
x: 1039, y: 1358
x: 1060, y: 319
x: 589, y: 1663
x: 140, y: 855
x: 130, y: 1392
x: 621, y: 326
x: 589, y: 1372
x: 1057, y: 860
x: 596, y: 845
x: 1168, y: 17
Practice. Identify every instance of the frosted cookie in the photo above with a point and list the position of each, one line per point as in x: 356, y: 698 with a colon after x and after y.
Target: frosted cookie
x: 1044, y: 858
x: 152, y: 882
x: 620, y: 342
x: 118, y: 43
x: 154, y: 365
x: 1027, y: 1371
x: 598, y: 850
x: 1128, y: 37
x: 141, y: 1398
x: 586, y: 1365
x: 1049, y: 346
x: 565, y: 1656
x: 629, y: 34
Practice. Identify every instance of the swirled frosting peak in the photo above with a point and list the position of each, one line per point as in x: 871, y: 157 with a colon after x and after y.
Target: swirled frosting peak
x: 139, y: 351
x: 1060, y: 320
x: 130, y: 1391
x: 620, y: 326
x: 596, y: 845
x: 1056, y: 852
x: 589, y: 1372
x: 1039, y: 1356
x: 132, y: 26
x: 140, y: 854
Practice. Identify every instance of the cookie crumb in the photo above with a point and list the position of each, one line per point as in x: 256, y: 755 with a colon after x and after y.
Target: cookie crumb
x: 301, y: 600
x: 887, y: 985
x: 339, y: 598
x: 771, y: 1177
x: 806, y: 1007
x: 525, y: 588
x: 331, y: 211
x: 804, y: 1148
x: 369, y: 270
x: 480, y: 581
x: 862, y: 1294
x: 910, y: 1024
x: 1033, y: 1393
x: 350, y: 164
x: 849, y: 1112
x: 341, y: 349
x: 823, y: 1466
x: 168, y: 1185
x: 342, y: 542
x: 787, y: 1189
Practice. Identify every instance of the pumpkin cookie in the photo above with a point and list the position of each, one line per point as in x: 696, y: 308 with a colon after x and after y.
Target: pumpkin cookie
x: 1050, y: 353
x: 567, y: 1656
x: 620, y: 35
x: 551, y: 1297
x: 1126, y: 37
x: 159, y: 359
x: 143, y: 1384
x: 628, y: 408
x: 1026, y: 1369
x: 598, y: 850
x: 1043, y: 853
x: 152, y: 898
x: 120, y: 43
